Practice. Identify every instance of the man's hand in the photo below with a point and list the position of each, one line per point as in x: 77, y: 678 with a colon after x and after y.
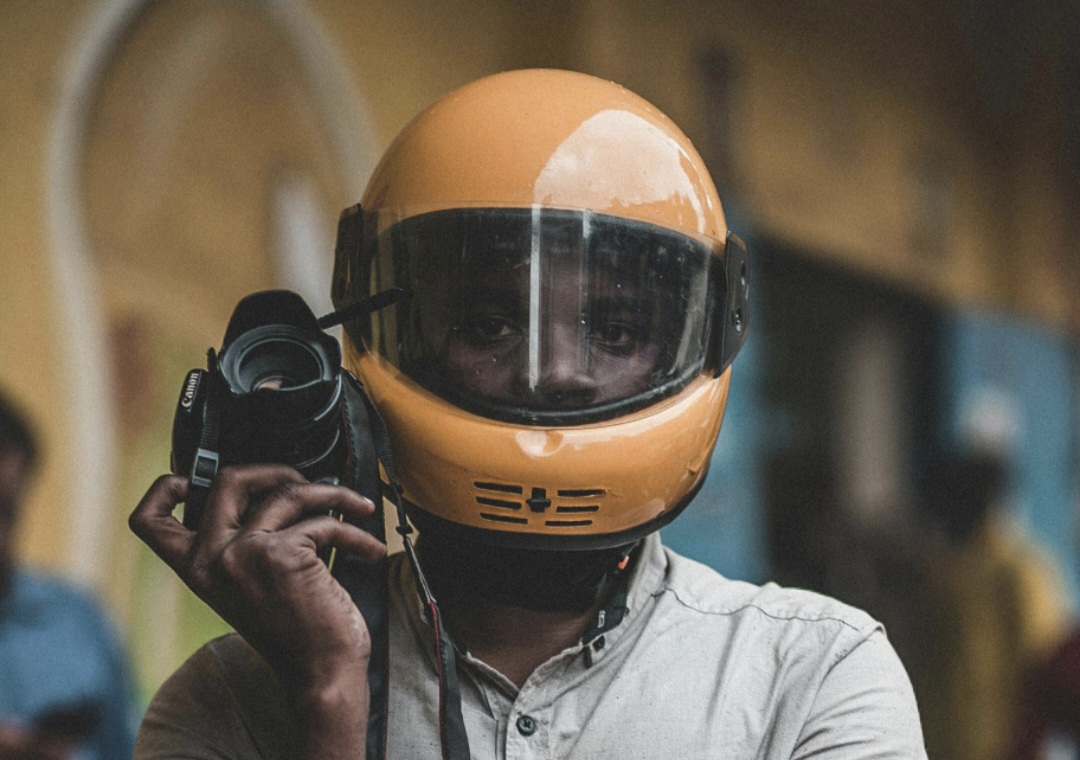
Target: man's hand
x: 254, y: 562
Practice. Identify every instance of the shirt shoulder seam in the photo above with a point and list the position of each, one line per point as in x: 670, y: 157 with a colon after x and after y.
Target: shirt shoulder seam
x: 761, y: 610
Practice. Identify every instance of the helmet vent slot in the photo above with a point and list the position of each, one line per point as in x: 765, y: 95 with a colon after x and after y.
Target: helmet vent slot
x: 498, y: 503
x: 504, y: 518
x: 501, y: 487
x: 501, y: 497
x: 590, y: 494
x: 579, y: 493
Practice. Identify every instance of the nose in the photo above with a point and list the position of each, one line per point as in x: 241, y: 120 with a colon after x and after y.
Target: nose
x: 564, y: 381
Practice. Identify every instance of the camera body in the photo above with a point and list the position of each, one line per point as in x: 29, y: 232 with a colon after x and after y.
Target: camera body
x: 274, y: 394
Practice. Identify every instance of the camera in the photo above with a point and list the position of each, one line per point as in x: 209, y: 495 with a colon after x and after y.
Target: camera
x: 275, y: 393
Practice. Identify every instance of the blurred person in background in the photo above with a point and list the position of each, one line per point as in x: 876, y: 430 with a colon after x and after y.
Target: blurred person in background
x: 64, y: 685
x: 1049, y: 709
x: 997, y: 609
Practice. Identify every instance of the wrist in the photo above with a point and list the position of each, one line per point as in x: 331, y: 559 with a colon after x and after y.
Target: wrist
x: 332, y: 713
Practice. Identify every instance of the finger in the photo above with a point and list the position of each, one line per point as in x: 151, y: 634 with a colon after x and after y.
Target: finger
x: 327, y: 532
x: 153, y: 522
x: 293, y: 501
x: 233, y: 490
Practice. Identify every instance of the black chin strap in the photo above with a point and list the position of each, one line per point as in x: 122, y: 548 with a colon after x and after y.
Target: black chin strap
x: 454, y: 739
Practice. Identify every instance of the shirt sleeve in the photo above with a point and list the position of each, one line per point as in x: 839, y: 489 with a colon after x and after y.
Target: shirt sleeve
x: 224, y: 702
x: 865, y: 708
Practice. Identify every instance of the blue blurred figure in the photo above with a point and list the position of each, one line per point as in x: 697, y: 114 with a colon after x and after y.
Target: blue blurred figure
x: 65, y: 691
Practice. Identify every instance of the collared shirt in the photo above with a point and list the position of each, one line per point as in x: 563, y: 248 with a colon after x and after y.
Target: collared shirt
x: 700, y: 667
x: 58, y: 654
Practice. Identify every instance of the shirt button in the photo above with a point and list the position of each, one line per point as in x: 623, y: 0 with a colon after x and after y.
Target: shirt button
x: 526, y: 725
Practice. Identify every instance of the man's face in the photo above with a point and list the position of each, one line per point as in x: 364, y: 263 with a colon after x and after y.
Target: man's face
x: 544, y: 316
x: 551, y: 342
x: 14, y: 471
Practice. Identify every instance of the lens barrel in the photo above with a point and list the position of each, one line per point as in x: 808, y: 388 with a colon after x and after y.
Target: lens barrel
x: 284, y: 395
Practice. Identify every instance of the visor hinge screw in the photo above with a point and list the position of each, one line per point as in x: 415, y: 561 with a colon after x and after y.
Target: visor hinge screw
x: 539, y: 501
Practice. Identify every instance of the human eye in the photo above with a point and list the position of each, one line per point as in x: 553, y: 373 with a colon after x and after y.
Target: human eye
x: 616, y: 335
x: 488, y: 327
x: 620, y: 334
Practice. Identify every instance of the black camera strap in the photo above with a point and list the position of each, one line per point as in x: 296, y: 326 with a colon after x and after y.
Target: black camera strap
x: 367, y: 583
x: 207, y: 459
x: 452, y: 733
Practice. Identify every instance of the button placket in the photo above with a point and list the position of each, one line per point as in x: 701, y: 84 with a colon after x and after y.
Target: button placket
x: 527, y: 736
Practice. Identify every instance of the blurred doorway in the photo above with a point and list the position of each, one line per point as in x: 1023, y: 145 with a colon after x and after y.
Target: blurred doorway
x: 850, y: 376
x: 202, y: 151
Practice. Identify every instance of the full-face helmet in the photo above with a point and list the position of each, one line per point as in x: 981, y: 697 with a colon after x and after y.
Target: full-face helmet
x: 556, y: 373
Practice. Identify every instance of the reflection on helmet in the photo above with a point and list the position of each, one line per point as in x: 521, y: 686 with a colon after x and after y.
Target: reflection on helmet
x: 557, y: 375
x: 544, y: 316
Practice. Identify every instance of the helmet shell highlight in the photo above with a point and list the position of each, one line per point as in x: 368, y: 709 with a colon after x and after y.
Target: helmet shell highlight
x: 551, y: 138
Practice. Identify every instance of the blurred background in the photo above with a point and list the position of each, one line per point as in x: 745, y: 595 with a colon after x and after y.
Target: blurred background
x: 903, y: 431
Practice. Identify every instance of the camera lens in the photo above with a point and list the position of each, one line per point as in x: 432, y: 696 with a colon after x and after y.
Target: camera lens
x: 271, y: 384
x: 276, y: 362
x: 296, y: 424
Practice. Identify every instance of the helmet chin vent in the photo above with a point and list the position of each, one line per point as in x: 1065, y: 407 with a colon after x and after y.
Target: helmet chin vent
x: 504, y: 518
x: 581, y: 501
x: 499, y: 487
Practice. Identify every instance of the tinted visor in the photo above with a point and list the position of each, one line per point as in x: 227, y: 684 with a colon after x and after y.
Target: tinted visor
x: 542, y: 316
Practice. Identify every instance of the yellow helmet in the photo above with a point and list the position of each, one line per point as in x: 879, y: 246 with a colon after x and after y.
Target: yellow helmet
x: 556, y: 374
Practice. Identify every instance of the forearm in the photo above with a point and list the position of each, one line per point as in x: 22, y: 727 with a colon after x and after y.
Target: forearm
x: 331, y: 716
x: 227, y: 701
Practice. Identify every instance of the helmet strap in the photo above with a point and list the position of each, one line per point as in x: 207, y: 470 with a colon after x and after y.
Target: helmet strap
x: 452, y: 734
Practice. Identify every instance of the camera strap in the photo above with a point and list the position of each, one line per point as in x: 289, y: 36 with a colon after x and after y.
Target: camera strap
x: 207, y: 459
x: 453, y: 736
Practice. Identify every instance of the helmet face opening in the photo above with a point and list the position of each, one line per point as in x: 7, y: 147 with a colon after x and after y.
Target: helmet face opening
x: 541, y: 316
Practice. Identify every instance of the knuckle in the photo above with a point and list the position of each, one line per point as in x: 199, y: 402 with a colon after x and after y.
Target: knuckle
x: 277, y: 558
x: 145, y: 531
x: 290, y: 495
x: 138, y: 523
x: 230, y: 562
x: 161, y: 482
x: 227, y: 478
x: 246, y: 557
x: 200, y: 577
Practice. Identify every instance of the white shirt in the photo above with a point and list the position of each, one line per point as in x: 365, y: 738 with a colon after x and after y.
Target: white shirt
x: 701, y: 667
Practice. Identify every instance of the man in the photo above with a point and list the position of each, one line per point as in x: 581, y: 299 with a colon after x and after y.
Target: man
x: 999, y: 608
x: 64, y: 688
x: 553, y: 384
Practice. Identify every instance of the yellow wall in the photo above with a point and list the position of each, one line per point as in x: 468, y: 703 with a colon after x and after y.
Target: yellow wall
x: 836, y: 105
x: 33, y: 40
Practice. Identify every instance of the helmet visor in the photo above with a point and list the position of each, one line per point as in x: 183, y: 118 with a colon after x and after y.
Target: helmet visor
x: 541, y: 316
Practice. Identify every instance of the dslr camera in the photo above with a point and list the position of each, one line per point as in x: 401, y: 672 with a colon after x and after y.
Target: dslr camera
x: 275, y: 393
